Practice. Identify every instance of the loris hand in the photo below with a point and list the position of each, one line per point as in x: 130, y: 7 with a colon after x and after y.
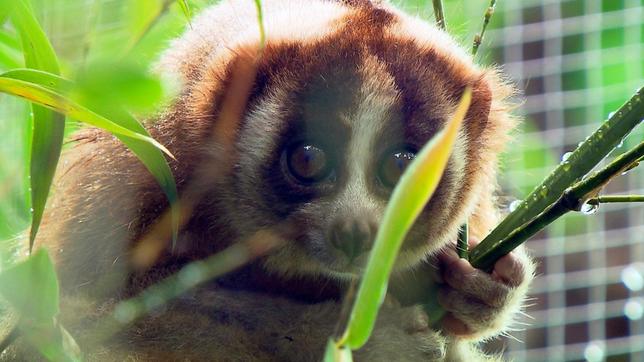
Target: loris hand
x: 479, y: 304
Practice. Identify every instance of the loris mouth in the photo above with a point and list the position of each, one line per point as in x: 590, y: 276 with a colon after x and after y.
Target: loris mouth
x: 347, y: 268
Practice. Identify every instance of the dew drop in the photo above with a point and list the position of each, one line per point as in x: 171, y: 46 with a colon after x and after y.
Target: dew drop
x: 632, y: 278
x: 565, y: 156
x: 611, y: 114
x: 580, y: 143
x: 566, y: 166
x: 634, y: 310
x: 514, y: 205
x: 31, y: 210
x: 543, y: 191
x: 620, y: 144
x: 589, y: 209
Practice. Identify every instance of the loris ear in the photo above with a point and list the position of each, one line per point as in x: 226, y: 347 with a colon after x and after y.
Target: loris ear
x: 489, y: 125
x: 489, y: 121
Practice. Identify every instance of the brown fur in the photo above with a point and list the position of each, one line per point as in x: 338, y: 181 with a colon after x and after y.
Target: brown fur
x: 105, y: 200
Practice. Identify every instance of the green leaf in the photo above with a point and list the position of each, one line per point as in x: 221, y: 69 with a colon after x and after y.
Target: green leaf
x: 260, y: 23
x: 107, y: 116
x: 185, y: 8
x: 10, y: 51
x: 48, y: 127
x: 335, y: 353
x: 31, y: 287
x: 58, y: 102
x: 4, y: 11
x: 407, y: 201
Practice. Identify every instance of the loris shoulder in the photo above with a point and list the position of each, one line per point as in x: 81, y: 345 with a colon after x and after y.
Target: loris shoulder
x: 342, y: 97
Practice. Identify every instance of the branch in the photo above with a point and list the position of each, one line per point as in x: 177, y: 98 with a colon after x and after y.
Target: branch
x: 573, y: 199
x: 580, y: 162
x: 478, y: 38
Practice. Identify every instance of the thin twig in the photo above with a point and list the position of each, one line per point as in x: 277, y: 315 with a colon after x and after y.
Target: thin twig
x: 478, y: 38
x: 615, y: 199
x: 573, y: 199
x: 260, y: 22
x: 439, y: 15
x: 190, y: 276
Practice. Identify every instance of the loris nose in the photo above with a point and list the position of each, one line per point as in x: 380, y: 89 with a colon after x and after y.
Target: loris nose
x: 352, y: 236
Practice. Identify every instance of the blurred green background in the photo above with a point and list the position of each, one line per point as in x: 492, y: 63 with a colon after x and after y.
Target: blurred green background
x: 575, y: 62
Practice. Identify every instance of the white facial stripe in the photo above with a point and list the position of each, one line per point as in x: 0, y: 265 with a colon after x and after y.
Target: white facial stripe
x: 377, y: 97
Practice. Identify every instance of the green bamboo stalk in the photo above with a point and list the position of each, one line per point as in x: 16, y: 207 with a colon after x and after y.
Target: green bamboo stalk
x: 574, y: 198
x: 478, y: 38
x: 461, y: 243
x: 580, y: 162
x: 439, y: 14
x: 615, y: 199
x: 260, y: 22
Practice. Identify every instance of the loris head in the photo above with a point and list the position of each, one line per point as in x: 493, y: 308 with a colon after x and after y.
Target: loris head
x: 344, y: 97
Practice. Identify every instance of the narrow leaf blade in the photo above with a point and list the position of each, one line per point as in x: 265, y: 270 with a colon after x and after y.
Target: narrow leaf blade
x: 407, y: 201
x: 335, y: 353
x: 48, y: 127
x: 31, y: 287
x: 55, y: 101
x: 185, y: 8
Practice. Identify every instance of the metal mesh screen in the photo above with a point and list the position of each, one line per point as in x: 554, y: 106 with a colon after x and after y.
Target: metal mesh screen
x: 576, y: 61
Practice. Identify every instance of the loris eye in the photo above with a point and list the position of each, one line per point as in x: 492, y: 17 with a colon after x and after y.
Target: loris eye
x: 307, y: 163
x: 393, y: 165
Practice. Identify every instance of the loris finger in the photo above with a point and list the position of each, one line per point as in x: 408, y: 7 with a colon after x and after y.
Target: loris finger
x: 474, y: 283
x: 466, y: 315
x: 509, y: 270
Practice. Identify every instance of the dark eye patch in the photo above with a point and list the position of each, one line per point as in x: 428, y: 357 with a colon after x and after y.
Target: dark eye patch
x: 308, y: 163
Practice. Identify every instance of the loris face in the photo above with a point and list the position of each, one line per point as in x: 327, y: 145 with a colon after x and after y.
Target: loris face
x: 331, y: 124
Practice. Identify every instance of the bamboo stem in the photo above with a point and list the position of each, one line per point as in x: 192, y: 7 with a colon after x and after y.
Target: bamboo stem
x: 461, y: 243
x: 580, y: 162
x: 439, y: 14
x: 478, y: 38
x: 573, y: 199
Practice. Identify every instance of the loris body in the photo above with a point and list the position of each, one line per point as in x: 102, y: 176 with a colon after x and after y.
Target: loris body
x: 344, y: 95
